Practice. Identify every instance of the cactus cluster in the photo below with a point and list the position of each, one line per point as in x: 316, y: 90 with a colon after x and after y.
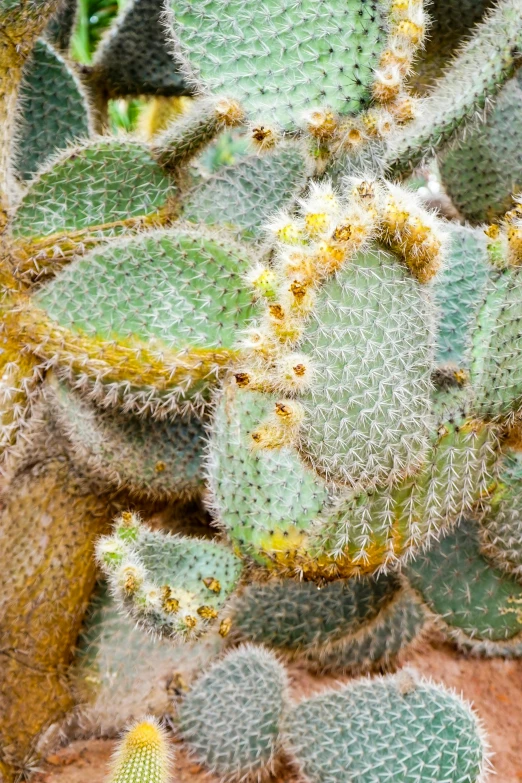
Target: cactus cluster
x: 291, y: 342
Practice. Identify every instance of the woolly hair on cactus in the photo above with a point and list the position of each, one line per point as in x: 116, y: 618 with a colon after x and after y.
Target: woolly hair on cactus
x: 477, y: 604
x: 390, y: 728
x: 336, y: 71
x: 230, y: 718
x: 158, y: 460
x: 144, y: 755
x: 350, y: 626
x: 172, y: 585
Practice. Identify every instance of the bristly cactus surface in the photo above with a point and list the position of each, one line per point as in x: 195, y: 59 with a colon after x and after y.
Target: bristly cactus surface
x: 292, y: 338
x: 143, y: 755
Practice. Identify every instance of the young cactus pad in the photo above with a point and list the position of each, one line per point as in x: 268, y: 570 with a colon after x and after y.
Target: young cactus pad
x: 392, y: 728
x: 231, y: 716
x: 143, y: 755
x: 172, y: 585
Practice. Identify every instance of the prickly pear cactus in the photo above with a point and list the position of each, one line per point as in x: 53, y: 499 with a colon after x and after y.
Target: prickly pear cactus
x: 292, y: 337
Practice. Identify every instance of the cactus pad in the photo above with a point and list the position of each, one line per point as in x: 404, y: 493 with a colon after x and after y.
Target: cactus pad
x: 245, y: 195
x: 458, y: 291
x: 495, y: 371
x: 53, y: 110
x: 157, y: 459
x: 286, y: 60
x: 230, y: 718
x: 393, y: 728
x: 501, y: 524
x: 266, y: 501
x: 478, y: 604
x: 101, y: 182
x: 346, y: 626
x: 173, y: 291
x: 361, y: 365
x: 133, y: 59
x: 484, y: 168
x: 173, y: 585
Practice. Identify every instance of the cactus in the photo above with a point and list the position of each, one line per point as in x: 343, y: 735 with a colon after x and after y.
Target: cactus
x: 52, y: 107
x: 150, y: 458
x: 143, y: 755
x: 398, y: 726
x: 231, y: 735
x: 173, y: 585
x: 500, y: 532
x: 347, y: 626
x: 46, y: 582
x: 477, y: 604
x: 117, y: 668
x: 450, y: 23
x: 322, y: 78
x: 458, y: 291
x: 146, y: 301
x: 364, y: 731
x: 483, y: 167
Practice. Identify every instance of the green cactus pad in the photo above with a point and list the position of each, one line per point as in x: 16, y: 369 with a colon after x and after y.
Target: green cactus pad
x: 497, y: 342
x: 376, y: 645
x: 286, y: 59
x: 375, y: 528
x: 101, y: 182
x: 157, y: 459
x: 347, y: 626
x: 133, y: 57
x: 118, y: 668
x: 52, y: 110
x: 230, y: 718
x: 392, y: 728
x: 300, y: 616
x: 370, y: 343
x: 243, y: 196
x: 172, y: 585
x: 266, y: 501
x: 501, y: 524
x: 482, y: 65
x: 458, y: 291
x: 484, y: 169
x: 479, y: 605
x: 175, y: 289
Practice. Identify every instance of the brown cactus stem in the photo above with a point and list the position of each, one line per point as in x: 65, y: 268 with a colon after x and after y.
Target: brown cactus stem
x: 49, y: 520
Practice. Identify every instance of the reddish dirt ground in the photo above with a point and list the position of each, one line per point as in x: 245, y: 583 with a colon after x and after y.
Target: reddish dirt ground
x: 493, y: 686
